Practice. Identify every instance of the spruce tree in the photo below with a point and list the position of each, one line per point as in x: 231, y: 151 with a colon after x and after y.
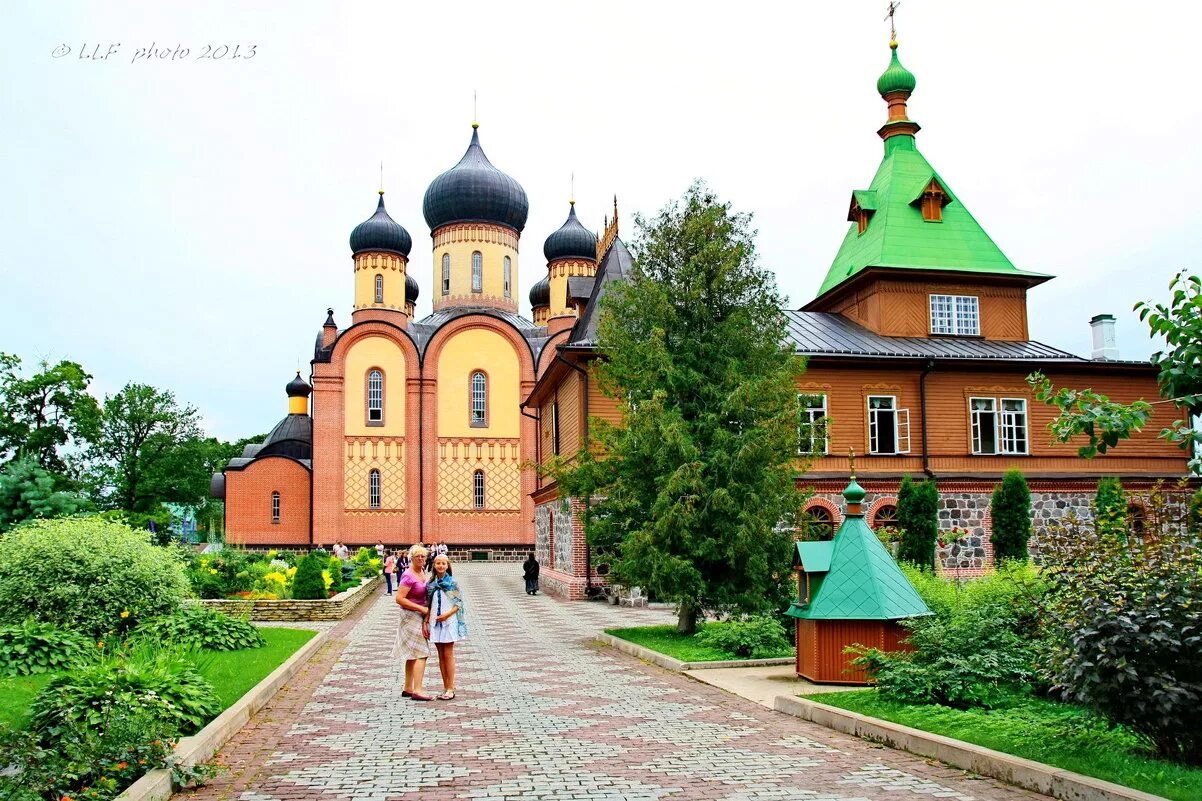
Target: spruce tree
x: 308, y: 584
x: 1110, y: 508
x: 693, y: 492
x: 918, y: 518
x: 1011, y: 508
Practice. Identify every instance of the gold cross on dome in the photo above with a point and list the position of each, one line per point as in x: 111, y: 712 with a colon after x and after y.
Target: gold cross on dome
x: 893, y: 5
x: 851, y: 462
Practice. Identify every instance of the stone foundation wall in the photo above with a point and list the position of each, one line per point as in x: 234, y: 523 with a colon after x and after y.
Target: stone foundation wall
x: 335, y: 608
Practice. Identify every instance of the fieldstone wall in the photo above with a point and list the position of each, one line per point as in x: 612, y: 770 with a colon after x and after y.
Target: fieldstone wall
x: 335, y: 608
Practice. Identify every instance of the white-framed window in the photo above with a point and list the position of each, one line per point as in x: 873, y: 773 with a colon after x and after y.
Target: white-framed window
x: 379, y: 289
x: 373, y: 489
x: 508, y: 277
x: 812, y: 424
x: 478, y: 489
x: 998, y: 425
x: 446, y: 273
x: 479, y: 399
x: 375, y: 397
x: 477, y: 271
x: 958, y: 315
x: 555, y: 427
x: 888, y: 426
x: 275, y: 508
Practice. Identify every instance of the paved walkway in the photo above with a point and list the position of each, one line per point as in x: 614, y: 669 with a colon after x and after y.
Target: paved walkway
x: 546, y: 713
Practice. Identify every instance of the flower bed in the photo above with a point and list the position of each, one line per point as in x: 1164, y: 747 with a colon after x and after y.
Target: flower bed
x: 264, y: 609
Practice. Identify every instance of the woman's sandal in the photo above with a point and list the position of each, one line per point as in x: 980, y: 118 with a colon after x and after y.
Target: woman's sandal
x: 420, y: 697
x: 406, y: 694
x: 449, y: 695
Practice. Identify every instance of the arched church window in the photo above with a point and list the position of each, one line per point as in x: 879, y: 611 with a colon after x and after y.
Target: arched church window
x: 379, y: 289
x: 508, y: 277
x: 275, y: 508
x: 478, y: 489
x: 477, y: 271
x: 446, y: 273
x: 373, y: 492
x: 886, y: 515
x: 479, y: 399
x: 820, y: 522
x: 375, y: 398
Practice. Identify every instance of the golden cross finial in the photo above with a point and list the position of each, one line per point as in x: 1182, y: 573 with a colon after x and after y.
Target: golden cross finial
x: 572, y: 200
x: 893, y: 4
x: 851, y: 462
x: 475, y: 118
x: 381, y: 177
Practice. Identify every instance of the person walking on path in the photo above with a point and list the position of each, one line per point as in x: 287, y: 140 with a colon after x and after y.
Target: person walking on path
x: 412, y: 630
x: 530, y: 571
x: 379, y: 550
x: 447, y: 623
x: 402, y: 561
x: 389, y: 571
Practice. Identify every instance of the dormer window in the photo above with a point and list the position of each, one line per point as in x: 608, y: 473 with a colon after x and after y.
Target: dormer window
x: 863, y: 205
x: 932, y: 200
x: 955, y: 315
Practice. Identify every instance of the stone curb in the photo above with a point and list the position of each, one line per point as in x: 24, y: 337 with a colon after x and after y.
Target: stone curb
x: 676, y: 665
x: 291, y: 611
x: 156, y: 785
x: 1025, y: 773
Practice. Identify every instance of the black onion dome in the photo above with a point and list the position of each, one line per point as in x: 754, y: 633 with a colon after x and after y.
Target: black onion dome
x: 381, y: 232
x: 475, y: 191
x: 540, y: 293
x: 411, y: 289
x: 298, y: 387
x: 571, y: 241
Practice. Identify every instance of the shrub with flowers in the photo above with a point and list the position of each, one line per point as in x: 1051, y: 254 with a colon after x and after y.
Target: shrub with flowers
x: 953, y: 536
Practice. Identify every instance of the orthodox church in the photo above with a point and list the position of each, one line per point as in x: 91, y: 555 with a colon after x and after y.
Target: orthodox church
x: 917, y: 350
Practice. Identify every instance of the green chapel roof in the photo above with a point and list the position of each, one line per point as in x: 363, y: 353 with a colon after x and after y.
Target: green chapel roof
x: 897, y: 236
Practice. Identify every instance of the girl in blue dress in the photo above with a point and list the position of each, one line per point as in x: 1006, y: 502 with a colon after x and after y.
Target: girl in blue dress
x: 447, y: 621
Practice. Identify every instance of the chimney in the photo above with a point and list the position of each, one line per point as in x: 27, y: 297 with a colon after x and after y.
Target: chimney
x: 329, y: 331
x: 1104, y: 346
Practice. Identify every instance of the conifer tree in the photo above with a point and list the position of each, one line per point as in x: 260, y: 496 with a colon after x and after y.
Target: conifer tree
x: 918, y: 518
x: 308, y: 584
x: 1011, y: 507
x: 1110, y: 507
x: 693, y: 492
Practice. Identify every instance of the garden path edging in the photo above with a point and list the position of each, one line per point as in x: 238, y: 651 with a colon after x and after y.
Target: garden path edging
x: 1025, y: 773
x: 293, y: 611
x: 156, y: 785
x: 665, y: 661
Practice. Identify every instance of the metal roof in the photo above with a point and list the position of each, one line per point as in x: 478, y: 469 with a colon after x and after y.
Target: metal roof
x: 616, y: 266
x: 824, y: 333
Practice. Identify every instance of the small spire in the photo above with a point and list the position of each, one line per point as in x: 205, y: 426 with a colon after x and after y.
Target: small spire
x: 475, y: 117
x: 572, y: 198
x: 381, y: 179
x: 893, y: 6
x: 330, y: 318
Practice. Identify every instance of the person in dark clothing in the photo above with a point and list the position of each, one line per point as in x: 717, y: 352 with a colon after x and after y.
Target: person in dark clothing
x: 530, y: 570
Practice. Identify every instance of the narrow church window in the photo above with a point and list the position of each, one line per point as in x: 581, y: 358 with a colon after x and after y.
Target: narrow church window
x: 446, y: 273
x: 373, y: 492
x: 479, y: 400
x: 379, y: 289
x: 375, y: 397
x: 888, y: 426
x: 275, y: 508
x: 477, y: 272
x: 478, y: 489
x: 508, y: 277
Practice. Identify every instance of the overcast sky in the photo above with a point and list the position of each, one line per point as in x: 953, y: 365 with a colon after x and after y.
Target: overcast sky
x: 184, y: 222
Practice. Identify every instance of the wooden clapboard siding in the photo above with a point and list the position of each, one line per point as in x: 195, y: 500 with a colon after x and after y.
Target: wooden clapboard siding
x: 571, y: 429
x: 820, y: 644
x: 601, y: 405
x: 901, y: 308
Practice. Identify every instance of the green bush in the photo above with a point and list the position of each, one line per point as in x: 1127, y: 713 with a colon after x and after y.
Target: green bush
x: 309, y: 584
x: 87, y: 575
x: 32, y: 647
x: 195, y: 626
x: 364, y: 554
x: 752, y: 638
x: 1125, y: 626
x: 1110, y: 507
x: 1014, y: 592
x: 146, y: 681
x: 229, y: 571
x: 918, y: 518
x: 368, y: 569
x: 1011, y: 512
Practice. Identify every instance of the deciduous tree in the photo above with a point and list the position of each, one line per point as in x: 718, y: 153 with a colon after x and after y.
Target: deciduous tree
x: 42, y: 414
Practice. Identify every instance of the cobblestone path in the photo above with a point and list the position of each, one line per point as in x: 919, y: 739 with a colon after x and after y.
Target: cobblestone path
x: 545, y: 713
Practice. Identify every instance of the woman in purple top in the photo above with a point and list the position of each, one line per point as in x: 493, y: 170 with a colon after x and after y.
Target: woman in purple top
x: 412, y: 638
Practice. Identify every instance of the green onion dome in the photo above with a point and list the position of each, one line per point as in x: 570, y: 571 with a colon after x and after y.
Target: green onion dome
x: 475, y: 191
x: 411, y: 289
x: 381, y: 232
x: 540, y: 293
x: 571, y: 241
x: 895, y: 78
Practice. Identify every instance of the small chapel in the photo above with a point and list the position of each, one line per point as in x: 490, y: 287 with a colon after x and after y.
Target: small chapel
x: 917, y: 348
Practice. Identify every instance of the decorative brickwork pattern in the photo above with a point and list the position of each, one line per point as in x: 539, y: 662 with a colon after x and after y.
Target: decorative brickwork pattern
x: 364, y: 454
x: 458, y: 461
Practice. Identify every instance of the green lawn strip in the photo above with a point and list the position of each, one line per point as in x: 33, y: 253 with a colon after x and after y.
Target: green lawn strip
x: 16, y: 694
x: 667, y: 641
x: 1056, y: 734
x: 233, y: 673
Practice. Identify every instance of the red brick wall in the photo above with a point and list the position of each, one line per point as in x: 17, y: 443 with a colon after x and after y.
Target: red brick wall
x: 248, y: 503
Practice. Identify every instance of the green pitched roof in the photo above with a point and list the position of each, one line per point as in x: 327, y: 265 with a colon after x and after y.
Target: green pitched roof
x: 815, y: 557
x: 863, y: 582
x: 898, y: 236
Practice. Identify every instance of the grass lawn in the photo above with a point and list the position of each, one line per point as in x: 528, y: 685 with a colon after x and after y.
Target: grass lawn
x: 231, y: 673
x: 684, y: 647
x: 1056, y: 734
